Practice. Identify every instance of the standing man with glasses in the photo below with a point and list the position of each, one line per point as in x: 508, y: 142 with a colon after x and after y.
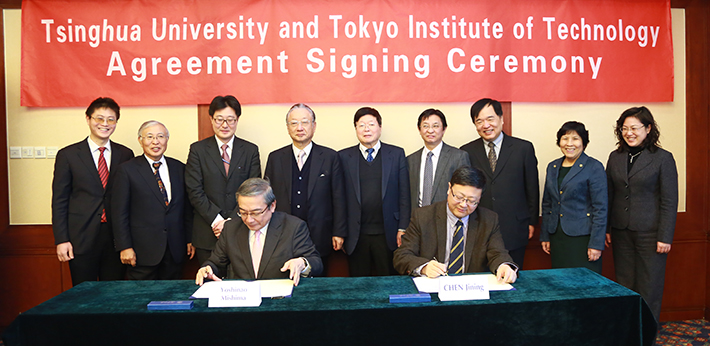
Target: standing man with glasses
x: 263, y: 243
x: 81, y: 194
x: 510, y: 166
x: 430, y: 167
x: 458, y: 232
x: 216, y: 167
x: 151, y: 214
x: 377, y: 197
x: 307, y: 179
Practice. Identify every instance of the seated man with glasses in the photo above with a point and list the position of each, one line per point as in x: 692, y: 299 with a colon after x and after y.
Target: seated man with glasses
x: 466, y: 238
x: 264, y: 244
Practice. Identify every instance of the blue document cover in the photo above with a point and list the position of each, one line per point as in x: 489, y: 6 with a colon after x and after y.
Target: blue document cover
x: 410, y: 298
x: 170, y: 305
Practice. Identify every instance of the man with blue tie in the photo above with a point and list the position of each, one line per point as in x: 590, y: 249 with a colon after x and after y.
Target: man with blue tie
x: 151, y: 214
x: 377, y: 197
x: 466, y: 237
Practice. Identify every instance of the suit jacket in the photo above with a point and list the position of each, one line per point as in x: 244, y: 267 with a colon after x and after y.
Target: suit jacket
x: 78, y: 197
x: 426, y: 238
x: 579, y: 204
x: 286, y: 238
x: 326, y: 206
x: 142, y: 221
x: 395, y: 192
x: 645, y: 199
x: 513, y: 191
x: 450, y: 159
x: 211, y: 190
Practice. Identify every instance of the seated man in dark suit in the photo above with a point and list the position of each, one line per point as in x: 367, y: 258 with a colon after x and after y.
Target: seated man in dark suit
x: 465, y: 237
x: 264, y: 243
x: 152, y: 216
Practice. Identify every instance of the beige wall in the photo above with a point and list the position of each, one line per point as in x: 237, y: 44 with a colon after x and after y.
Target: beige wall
x: 30, y: 179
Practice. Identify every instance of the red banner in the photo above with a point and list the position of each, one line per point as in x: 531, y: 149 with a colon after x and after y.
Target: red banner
x: 163, y: 52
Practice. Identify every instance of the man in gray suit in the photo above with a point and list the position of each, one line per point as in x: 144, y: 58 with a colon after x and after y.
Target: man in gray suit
x: 431, y: 167
x: 510, y: 166
x: 216, y: 167
x: 465, y: 237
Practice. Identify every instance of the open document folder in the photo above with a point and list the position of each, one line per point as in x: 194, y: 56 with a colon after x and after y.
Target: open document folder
x: 269, y: 288
x: 428, y: 285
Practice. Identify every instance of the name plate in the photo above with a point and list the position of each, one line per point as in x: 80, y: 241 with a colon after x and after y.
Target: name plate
x: 464, y: 287
x: 235, y: 294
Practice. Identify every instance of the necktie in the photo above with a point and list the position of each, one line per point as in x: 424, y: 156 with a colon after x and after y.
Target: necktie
x: 103, y: 174
x: 492, y: 156
x: 225, y: 158
x: 428, y: 180
x: 256, y: 253
x: 156, y: 165
x: 301, y: 154
x: 456, y: 255
x: 369, y: 154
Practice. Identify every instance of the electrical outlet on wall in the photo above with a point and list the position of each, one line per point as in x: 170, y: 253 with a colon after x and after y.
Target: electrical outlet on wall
x: 52, y: 152
x: 28, y: 152
x: 40, y: 152
x: 15, y: 152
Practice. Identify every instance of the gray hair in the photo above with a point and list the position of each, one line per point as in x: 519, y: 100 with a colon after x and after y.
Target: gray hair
x: 257, y: 187
x: 301, y: 106
x: 150, y: 123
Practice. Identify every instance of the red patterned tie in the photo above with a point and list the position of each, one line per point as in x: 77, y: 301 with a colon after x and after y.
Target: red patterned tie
x: 103, y: 174
x: 225, y: 158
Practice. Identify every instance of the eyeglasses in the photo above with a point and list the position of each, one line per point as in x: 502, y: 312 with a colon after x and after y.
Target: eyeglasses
x: 150, y: 137
x: 634, y: 129
x: 460, y: 198
x: 363, y: 125
x: 427, y: 127
x: 294, y: 123
x: 254, y: 214
x: 101, y: 120
x: 219, y: 121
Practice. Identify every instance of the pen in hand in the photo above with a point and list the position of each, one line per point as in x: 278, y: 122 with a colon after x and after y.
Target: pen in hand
x: 446, y: 273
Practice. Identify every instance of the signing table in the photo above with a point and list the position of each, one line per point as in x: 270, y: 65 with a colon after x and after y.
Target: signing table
x: 548, y: 307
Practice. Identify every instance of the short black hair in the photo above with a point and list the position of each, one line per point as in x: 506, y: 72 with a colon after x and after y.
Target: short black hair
x: 429, y: 112
x: 574, y: 126
x: 222, y: 102
x: 469, y: 176
x: 482, y: 103
x: 367, y: 111
x: 103, y: 102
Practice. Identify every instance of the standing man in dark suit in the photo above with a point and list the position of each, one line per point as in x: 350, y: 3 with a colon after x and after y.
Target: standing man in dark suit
x: 151, y: 213
x: 308, y: 182
x: 216, y: 166
x: 263, y: 243
x: 377, y: 196
x: 467, y: 238
x: 510, y: 166
x: 430, y: 167
x: 81, y: 194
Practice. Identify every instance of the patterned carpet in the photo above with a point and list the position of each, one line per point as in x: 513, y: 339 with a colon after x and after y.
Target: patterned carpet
x: 686, y: 333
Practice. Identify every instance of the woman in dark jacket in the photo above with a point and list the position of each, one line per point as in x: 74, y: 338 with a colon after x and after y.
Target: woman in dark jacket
x: 574, y: 203
x: 643, y: 201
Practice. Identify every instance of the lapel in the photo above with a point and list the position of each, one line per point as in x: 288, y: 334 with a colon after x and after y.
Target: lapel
x: 479, y: 154
x: 175, y: 181
x: 213, y: 154
x: 386, y: 167
x: 235, y: 156
x: 88, y: 160
x: 620, y: 164
x: 273, y: 234
x: 554, y: 173
x: 414, y: 169
x: 146, y: 172
x: 643, y: 160
x: 353, y: 159
x: 441, y: 166
x: 577, y: 167
x: 316, y: 159
x: 285, y: 158
x: 243, y: 244
x: 470, y: 239
x: 440, y: 228
x: 506, y: 150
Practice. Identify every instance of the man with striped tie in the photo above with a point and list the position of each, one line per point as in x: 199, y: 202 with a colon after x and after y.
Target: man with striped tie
x: 466, y: 238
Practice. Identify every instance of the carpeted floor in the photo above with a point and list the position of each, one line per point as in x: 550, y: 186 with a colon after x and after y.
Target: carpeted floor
x: 686, y: 333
